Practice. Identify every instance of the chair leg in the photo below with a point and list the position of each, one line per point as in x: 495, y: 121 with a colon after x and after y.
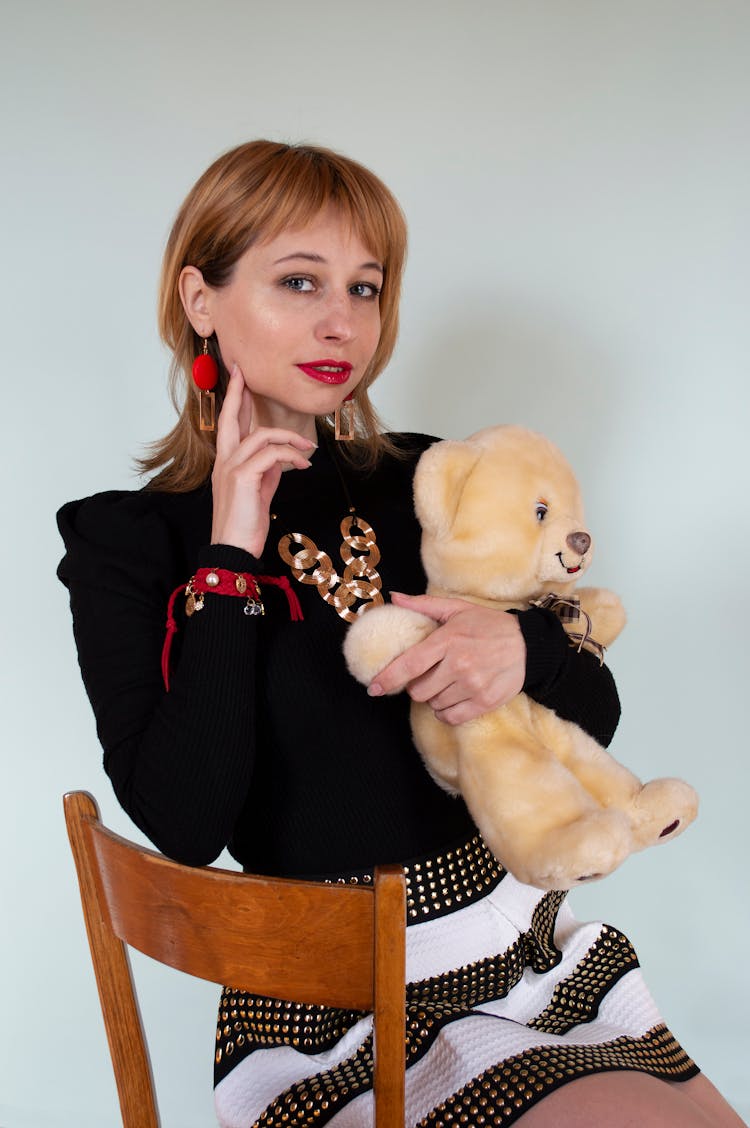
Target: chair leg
x: 114, y: 978
x: 390, y: 1001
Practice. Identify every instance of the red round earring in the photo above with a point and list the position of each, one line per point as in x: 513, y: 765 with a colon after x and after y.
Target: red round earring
x: 206, y: 375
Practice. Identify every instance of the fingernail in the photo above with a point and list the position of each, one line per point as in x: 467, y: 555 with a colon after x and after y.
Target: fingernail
x: 375, y: 690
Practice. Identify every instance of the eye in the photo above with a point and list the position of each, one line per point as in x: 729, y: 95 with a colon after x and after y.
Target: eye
x: 298, y: 284
x: 367, y: 290
x: 541, y: 510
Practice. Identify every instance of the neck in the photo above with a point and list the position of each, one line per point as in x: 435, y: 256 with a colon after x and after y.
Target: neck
x: 266, y: 414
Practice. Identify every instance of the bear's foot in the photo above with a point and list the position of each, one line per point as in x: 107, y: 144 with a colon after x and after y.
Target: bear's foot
x: 584, y: 850
x: 661, y: 810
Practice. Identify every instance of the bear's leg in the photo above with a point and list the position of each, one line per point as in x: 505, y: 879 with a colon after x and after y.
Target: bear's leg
x: 534, y: 814
x: 608, y: 782
x: 657, y: 811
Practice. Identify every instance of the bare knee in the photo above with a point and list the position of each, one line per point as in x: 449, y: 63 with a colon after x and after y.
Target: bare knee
x: 707, y: 1096
x: 626, y: 1099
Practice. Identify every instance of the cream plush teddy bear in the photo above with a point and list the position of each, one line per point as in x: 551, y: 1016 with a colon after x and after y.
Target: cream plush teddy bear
x: 502, y: 525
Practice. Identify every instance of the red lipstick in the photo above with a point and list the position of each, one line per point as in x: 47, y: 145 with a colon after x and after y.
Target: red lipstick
x: 327, y: 371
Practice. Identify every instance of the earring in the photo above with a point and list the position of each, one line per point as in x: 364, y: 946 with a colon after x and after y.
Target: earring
x: 205, y: 375
x: 343, y: 419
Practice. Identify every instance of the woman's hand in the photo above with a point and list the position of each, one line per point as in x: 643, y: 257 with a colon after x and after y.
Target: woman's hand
x: 247, y: 469
x: 475, y: 660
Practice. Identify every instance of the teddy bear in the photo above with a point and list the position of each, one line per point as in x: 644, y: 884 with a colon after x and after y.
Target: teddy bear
x: 502, y: 525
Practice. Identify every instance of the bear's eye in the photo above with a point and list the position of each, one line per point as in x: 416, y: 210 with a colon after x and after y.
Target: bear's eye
x: 541, y: 510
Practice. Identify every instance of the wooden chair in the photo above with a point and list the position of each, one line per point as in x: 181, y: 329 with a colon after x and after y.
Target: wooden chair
x: 338, y: 945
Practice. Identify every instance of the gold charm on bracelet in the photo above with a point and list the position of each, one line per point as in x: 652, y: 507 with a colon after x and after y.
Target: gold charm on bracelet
x: 193, y: 600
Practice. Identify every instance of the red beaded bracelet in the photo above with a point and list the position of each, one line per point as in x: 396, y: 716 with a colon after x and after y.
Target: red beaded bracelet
x: 220, y: 581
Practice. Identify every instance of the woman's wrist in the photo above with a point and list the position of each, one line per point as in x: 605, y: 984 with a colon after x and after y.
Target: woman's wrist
x: 247, y: 543
x: 231, y: 556
x: 546, y: 648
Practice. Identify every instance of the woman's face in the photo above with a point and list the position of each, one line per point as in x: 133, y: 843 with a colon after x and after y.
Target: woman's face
x: 300, y: 317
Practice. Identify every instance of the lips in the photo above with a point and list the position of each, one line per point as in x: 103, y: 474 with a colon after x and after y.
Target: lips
x: 327, y: 371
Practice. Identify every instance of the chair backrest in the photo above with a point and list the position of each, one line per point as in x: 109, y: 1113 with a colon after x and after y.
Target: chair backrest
x: 336, y: 945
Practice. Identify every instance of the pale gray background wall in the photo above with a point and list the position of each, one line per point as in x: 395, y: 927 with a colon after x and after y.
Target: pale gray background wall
x: 576, y: 176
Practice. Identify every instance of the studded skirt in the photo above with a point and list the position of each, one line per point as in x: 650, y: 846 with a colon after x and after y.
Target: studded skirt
x: 508, y: 998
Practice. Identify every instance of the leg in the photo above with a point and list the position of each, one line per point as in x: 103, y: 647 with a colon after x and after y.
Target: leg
x: 657, y: 810
x: 708, y: 1097
x: 629, y: 1099
x: 533, y: 813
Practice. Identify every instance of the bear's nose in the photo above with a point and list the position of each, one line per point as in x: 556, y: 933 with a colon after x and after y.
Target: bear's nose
x: 579, y: 542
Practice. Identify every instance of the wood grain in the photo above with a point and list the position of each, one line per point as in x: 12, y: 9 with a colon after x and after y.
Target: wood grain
x: 336, y: 945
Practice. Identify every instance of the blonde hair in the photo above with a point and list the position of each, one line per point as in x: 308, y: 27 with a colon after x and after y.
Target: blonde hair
x: 249, y: 194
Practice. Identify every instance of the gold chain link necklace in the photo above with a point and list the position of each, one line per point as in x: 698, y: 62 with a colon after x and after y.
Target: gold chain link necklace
x: 359, y: 583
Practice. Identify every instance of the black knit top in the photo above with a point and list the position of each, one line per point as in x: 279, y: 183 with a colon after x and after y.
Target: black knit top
x: 264, y: 741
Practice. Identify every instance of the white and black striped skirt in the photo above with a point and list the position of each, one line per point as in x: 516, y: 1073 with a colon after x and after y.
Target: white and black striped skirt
x: 508, y: 998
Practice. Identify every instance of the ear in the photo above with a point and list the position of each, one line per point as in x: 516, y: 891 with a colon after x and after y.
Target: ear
x: 193, y: 295
x: 441, y: 474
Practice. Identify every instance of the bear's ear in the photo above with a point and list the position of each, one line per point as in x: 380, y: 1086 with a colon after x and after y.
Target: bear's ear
x: 439, y: 481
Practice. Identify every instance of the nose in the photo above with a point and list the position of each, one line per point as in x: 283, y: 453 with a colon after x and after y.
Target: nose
x: 336, y: 321
x: 579, y: 542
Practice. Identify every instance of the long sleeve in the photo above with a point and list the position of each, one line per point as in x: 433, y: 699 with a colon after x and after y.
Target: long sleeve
x: 573, y: 684
x: 264, y: 743
x: 180, y: 762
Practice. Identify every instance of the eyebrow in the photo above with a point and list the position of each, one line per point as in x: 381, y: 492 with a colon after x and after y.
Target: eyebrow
x: 310, y: 257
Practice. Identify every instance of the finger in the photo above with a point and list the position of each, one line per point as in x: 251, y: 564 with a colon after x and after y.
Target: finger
x: 246, y: 412
x: 476, y: 705
x: 463, y: 704
x: 452, y: 695
x: 268, y: 456
x: 436, y: 607
x: 413, y: 663
x: 459, y: 714
x: 228, y: 424
x: 436, y: 681
x: 269, y: 437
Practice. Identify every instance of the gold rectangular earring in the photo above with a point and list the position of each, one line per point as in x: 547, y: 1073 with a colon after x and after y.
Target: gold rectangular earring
x: 207, y: 411
x: 344, y: 418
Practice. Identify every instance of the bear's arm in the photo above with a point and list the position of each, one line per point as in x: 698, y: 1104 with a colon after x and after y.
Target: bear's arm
x: 574, y: 685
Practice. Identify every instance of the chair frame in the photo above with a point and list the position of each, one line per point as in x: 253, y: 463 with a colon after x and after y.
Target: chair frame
x: 331, y: 944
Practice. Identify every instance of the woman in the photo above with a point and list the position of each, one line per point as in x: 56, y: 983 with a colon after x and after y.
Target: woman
x: 283, y: 269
